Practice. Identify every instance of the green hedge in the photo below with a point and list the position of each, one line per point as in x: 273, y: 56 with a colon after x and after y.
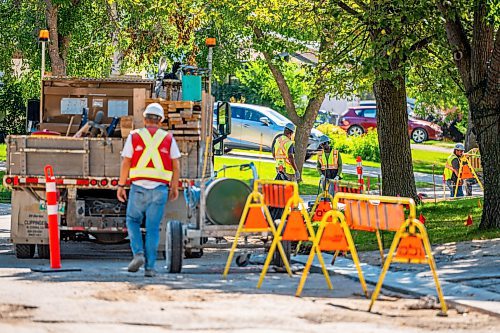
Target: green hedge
x: 365, y: 145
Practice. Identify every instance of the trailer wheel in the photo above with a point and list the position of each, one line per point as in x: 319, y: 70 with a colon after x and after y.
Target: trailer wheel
x: 277, y: 261
x: 25, y: 251
x: 190, y: 254
x: 43, y: 251
x: 174, y: 247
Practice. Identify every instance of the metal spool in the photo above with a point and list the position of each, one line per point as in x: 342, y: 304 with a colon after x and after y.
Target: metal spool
x: 225, y: 200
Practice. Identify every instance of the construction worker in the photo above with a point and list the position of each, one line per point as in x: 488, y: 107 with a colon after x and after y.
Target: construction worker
x: 283, y: 149
x: 451, y: 170
x: 151, y: 161
x: 329, y: 164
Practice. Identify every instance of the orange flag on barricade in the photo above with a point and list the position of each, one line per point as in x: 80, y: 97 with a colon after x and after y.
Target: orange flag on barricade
x: 468, y: 223
x: 421, y: 218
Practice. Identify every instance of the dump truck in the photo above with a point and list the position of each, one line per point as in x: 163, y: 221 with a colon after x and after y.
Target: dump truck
x: 79, y: 127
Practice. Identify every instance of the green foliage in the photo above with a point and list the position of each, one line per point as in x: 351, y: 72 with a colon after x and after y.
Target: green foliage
x: 256, y: 85
x: 365, y: 145
x: 12, y: 112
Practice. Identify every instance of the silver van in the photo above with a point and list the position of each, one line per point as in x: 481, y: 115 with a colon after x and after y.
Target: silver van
x: 253, y: 126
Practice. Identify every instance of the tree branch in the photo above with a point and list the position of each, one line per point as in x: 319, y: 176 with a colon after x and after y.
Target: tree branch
x: 361, y: 4
x: 350, y: 10
x: 280, y: 81
x: 422, y: 43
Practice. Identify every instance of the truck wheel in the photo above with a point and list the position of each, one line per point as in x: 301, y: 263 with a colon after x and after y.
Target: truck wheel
x: 190, y: 254
x: 174, y: 247
x: 25, y: 251
x: 43, y: 251
x: 277, y: 261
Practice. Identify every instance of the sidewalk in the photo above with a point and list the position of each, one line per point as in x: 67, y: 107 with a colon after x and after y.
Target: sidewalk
x: 468, y: 273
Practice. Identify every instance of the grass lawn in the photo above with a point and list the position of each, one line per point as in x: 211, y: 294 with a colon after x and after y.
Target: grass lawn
x: 444, y: 222
x: 266, y: 170
x: 3, y: 152
x: 444, y: 144
x: 422, y: 160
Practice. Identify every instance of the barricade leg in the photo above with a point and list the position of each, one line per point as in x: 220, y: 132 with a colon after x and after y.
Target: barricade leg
x: 276, y: 243
x: 233, y: 249
x: 387, y: 263
x: 380, y: 246
x: 432, y: 265
x: 310, y: 259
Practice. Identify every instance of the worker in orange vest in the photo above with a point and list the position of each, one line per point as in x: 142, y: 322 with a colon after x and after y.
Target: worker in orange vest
x: 151, y: 161
x: 451, y: 170
x: 329, y: 164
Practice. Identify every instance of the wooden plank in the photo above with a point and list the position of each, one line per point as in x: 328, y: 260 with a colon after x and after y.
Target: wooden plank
x: 139, y: 104
x: 68, y: 92
x: 126, y: 125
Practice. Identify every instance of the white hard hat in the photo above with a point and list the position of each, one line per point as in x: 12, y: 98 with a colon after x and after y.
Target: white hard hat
x: 154, y: 109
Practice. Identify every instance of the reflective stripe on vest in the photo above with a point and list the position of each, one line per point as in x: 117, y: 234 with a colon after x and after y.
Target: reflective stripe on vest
x: 331, y: 163
x: 448, y: 167
x: 281, y: 147
x: 149, y: 164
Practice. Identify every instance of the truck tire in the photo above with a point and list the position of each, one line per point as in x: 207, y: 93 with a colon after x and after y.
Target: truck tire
x: 174, y: 247
x: 25, y: 251
x: 43, y: 251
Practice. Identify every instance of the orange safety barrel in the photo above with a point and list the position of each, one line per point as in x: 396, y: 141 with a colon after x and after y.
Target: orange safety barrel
x: 370, y: 216
x: 277, y: 195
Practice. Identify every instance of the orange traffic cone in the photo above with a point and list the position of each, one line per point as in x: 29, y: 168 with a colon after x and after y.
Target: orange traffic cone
x: 468, y: 223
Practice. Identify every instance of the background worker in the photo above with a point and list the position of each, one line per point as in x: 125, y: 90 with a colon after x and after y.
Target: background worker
x: 150, y: 160
x: 451, y: 170
x: 283, y: 149
x: 329, y: 165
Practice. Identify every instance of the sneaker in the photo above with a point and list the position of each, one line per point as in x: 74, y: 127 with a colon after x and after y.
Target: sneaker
x: 136, y: 263
x: 149, y: 273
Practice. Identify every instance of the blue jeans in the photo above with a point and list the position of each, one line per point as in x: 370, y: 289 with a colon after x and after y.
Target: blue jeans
x: 150, y: 203
x: 451, y: 185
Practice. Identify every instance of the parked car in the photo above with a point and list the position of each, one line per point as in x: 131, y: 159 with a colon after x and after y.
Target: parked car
x: 253, y: 126
x: 325, y: 117
x: 358, y: 119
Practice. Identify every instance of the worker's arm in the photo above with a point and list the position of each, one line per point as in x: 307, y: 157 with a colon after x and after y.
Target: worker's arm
x: 121, y: 194
x: 272, y: 147
x: 174, y: 184
x: 318, y: 165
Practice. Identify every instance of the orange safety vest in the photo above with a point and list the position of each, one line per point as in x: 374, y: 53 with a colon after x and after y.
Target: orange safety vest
x: 330, y: 163
x: 151, y: 157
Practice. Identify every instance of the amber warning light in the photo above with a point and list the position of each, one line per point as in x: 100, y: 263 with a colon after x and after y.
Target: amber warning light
x: 43, y: 35
x: 210, y: 42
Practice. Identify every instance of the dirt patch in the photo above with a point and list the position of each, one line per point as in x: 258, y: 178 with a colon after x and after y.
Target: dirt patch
x: 16, y: 311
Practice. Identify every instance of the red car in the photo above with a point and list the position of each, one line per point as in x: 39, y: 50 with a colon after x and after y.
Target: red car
x: 358, y: 119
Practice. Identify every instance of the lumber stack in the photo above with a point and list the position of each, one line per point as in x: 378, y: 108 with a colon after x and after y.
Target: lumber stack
x: 182, y: 118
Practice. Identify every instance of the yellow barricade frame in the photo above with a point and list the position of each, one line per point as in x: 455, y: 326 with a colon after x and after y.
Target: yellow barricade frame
x: 293, y: 203
x: 409, y: 228
x: 463, y: 160
x: 256, y: 199
x: 336, y: 217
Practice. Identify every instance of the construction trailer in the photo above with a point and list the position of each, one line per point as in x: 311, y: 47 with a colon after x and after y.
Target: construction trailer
x: 80, y: 131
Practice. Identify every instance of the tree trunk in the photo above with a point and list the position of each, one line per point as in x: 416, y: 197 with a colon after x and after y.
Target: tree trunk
x: 487, y: 127
x: 392, y: 126
x: 57, y: 62
x: 304, y: 129
x: 470, y: 138
x: 117, y: 59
